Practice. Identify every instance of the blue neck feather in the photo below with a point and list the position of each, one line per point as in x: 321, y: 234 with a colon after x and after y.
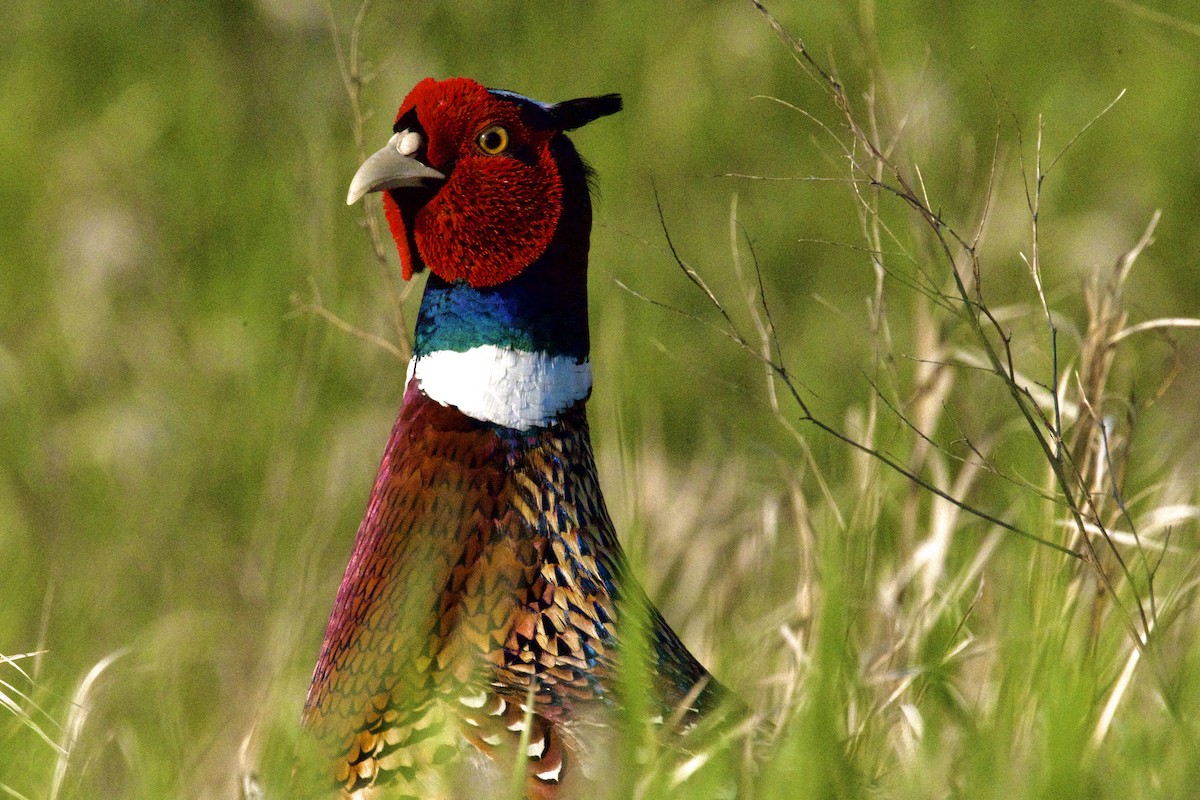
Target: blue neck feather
x: 522, y: 314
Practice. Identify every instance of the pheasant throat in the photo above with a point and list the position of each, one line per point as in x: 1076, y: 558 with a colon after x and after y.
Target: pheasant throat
x: 503, y: 386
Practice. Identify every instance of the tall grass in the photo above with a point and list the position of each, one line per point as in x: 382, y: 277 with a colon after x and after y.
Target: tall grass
x: 1007, y: 612
x: 995, y: 596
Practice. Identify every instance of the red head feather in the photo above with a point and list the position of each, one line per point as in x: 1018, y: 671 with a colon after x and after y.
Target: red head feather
x: 496, y: 213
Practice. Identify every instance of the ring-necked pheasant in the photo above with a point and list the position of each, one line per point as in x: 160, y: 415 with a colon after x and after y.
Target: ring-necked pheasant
x: 487, y: 592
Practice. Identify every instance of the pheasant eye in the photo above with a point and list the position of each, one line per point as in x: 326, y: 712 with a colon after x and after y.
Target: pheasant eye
x: 493, y: 140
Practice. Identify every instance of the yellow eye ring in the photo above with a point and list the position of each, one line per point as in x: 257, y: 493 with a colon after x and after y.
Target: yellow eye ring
x: 493, y: 140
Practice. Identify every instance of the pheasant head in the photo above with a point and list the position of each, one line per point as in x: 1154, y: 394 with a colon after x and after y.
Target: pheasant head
x: 474, y: 179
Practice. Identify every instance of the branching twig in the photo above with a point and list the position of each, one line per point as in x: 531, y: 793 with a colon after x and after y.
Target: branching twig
x: 784, y: 375
x: 318, y: 307
x: 353, y: 80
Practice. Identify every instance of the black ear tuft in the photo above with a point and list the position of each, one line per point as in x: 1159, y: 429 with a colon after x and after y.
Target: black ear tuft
x: 572, y: 114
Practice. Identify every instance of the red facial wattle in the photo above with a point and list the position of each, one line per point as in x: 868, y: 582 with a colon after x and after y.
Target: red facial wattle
x: 495, y: 214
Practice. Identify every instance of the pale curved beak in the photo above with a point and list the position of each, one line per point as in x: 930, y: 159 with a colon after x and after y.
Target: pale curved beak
x: 390, y: 169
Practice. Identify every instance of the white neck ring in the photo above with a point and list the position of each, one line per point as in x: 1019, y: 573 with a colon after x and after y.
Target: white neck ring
x: 514, y: 388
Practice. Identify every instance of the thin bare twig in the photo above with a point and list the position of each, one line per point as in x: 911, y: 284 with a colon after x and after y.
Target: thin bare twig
x: 730, y: 331
x: 353, y: 81
x: 301, y: 307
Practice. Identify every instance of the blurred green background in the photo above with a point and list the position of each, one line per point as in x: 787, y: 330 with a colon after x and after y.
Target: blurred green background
x: 184, y: 457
